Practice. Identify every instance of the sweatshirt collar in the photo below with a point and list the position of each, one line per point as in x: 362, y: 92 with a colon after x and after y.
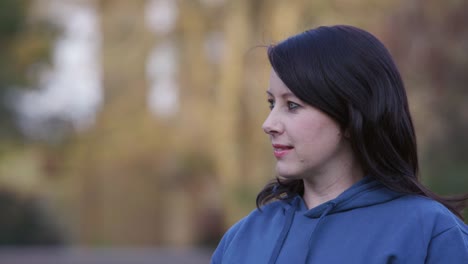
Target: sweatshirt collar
x: 365, y: 192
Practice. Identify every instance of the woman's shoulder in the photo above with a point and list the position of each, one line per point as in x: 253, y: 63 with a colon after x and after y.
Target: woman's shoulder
x: 259, y: 215
x: 431, y: 213
x: 425, y: 205
x: 447, y: 234
x: 254, y: 223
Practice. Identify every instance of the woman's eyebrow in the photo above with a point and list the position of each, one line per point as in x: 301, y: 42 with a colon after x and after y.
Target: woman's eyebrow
x: 284, y: 95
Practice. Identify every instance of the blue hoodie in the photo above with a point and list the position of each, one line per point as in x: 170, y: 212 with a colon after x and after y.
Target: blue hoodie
x: 368, y: 223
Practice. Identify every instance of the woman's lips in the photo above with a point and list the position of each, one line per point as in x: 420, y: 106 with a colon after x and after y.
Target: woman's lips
x: 281, y: 150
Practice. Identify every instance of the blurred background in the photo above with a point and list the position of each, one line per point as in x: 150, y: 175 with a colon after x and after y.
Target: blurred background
x: 135, y: 125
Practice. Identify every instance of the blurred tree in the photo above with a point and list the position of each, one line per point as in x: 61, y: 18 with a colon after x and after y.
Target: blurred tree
x: 25, y: 43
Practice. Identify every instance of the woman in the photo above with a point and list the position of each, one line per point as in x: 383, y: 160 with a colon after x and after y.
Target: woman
x: 347, y: 188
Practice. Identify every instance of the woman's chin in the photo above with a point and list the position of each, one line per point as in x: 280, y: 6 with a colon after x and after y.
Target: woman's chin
x: 287, y: 174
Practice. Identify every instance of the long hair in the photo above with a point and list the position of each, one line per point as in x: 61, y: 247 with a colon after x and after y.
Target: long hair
x: 348, y: 74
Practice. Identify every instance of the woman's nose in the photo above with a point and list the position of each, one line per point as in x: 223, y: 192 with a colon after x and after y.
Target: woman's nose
x: 272, y: 125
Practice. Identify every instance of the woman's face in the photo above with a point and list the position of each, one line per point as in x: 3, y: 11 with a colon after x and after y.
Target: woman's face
x: 305, y: 141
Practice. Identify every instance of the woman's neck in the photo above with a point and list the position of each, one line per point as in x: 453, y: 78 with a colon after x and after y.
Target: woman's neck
x: 324, y: 187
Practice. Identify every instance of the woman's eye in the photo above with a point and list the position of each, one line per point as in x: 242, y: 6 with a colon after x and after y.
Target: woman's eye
x: 292, y: 105
x: 271, y: 104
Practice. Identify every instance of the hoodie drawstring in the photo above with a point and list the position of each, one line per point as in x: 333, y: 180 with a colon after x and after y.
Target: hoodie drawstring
x: 330, y: 207
x: 284, y: 233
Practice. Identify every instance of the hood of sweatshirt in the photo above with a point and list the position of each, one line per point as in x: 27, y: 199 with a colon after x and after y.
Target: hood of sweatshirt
x: 366, y: 192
